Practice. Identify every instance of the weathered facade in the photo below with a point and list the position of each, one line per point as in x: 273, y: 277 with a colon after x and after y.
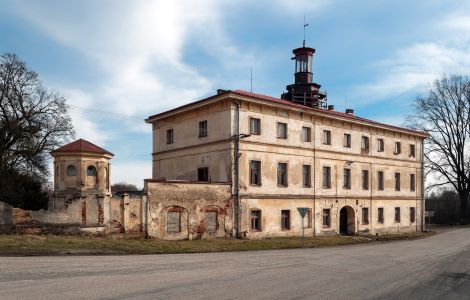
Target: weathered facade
x: 353, y: 174
x: 241, y: 164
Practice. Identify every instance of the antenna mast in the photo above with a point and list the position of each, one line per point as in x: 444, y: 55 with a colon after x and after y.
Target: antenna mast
x: 305, y: 26
x: 251, y: 79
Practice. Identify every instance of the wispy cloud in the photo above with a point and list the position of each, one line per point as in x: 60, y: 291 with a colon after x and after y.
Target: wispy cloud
x: 413, y: 67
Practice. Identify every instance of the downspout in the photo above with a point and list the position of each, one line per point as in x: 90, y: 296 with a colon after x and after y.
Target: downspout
x: 423, y: 200
x: 314, y: 180
x: 371, y: 189
x: 237, y: 173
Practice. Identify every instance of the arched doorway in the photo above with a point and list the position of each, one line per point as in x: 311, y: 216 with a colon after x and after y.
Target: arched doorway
x: 347, y: 221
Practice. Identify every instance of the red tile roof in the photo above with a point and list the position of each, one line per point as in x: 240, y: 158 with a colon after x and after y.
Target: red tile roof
x: 292, y: 104
x: 82, y: 145
x: 323, y: 111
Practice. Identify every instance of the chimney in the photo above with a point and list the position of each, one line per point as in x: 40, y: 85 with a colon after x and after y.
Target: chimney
x: 331, y: 107
x: 350, y: 111
x: 220, y: 91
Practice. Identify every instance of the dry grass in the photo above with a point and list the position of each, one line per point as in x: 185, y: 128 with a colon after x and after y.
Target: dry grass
x: 63, y: 245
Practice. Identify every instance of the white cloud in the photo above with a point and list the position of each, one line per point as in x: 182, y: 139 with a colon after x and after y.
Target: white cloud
x: 79, y: 102
x: 413, y: 67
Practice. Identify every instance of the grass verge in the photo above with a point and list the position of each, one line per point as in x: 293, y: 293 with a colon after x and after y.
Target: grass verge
x: 66, y: 245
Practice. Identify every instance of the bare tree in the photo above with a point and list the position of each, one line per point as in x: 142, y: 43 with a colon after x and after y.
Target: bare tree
x: 444, y: 113
x: 33, y: 121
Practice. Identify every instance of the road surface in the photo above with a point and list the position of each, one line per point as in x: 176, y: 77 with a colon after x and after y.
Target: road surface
x: 437, y: 267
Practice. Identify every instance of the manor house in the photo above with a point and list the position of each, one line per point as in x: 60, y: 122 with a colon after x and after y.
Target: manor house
x: 353, y: 175
x: 244, y: 164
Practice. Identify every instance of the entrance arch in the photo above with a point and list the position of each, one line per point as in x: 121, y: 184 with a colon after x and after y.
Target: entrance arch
x: 347, y: 221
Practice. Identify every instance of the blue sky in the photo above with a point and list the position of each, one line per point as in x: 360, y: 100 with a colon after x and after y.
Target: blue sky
x: 118, y: 62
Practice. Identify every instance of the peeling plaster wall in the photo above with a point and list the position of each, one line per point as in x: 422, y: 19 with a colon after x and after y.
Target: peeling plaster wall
x: 194, y: 202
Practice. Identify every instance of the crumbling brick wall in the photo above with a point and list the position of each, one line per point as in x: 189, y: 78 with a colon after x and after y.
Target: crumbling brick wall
x: 188, y: 210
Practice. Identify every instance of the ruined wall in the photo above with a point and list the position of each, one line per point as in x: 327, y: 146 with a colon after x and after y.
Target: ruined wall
x: 183, y: 210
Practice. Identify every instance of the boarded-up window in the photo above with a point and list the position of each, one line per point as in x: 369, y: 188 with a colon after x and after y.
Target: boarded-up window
x: 306, y: 134
x: 211, y: 221
x: 71, y: 170
x: 256, y: 220
x: 282, y: 130
x: 326, y: 218
x: 380, y: 179
x: 173, y: 222
x: 380, y: 215
x: 326, y: 177
x: 365, y: 215
x: 255, y: 126
x: 326, y: 137
x: 412, y: 214
x: 380, y: 145
x: 347, y: 140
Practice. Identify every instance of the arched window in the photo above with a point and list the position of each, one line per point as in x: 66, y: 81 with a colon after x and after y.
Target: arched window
x: 91, y: 171
x: 71, y: 170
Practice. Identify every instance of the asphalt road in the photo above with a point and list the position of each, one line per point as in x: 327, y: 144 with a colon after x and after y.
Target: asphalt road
x: 437, y: 267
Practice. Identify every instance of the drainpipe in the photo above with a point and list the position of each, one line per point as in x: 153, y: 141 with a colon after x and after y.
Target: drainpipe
x: 423, y: 201
x: 371, y: 189
x: 237, y: 173
x: 314, y: 180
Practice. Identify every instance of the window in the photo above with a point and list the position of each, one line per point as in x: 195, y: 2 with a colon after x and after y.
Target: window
x: 346, y: 178
x: 365, y: 179
x: 306, y: 134
x: 282, y: 130
x: 306, y: 175
x: 397, y: 215
x: 309, y: 219
x: 203, y: 128
x: 173, y: 222
x: 412, y: 151
x: 365, y: 144
x: 397, y: 181
x: 255, y: 172
x: 169, y: 136
x: 326, y: 177
x: 203, y: 174
x: 255, y: 126
x: 326, y: 137
x: 326, y: 218
x: 412, y: 182
x: 365, y: 215
x: 256, y: 220
x: 211, y: 222
x: 380, y: 215
x: 380, y: 179
x: 412, y: 214
x: 380, y: 145
x: 282, y: 174
x: 347, y: 140
x: 71, y: 170
x: 285, y: 219
x: 91, y: 171
x: 397, y: 148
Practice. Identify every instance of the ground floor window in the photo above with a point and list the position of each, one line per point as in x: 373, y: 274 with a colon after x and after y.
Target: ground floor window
x: 211, y: 222
x: 365, y: 215
x: 285, y: 219
x: 309, y: 218
x: 412, y: 214
x: 256, y: 220
x: 326, y: 218
x: 397, y: 215
x: 380, y: 215
x: 173, y: 222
